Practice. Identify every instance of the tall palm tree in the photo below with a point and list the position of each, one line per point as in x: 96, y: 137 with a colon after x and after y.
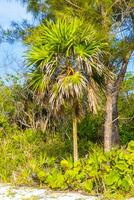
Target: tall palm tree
x: 66, y: 68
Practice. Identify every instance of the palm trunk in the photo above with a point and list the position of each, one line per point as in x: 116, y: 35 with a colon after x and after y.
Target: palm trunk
x: 75, y: 142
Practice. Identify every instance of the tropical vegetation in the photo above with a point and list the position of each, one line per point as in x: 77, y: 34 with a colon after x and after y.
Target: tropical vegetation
x: 69, y: 125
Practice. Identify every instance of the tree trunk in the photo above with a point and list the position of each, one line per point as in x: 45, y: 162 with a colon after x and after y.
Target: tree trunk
x: 115, y: 127
x: 111, y: 128
x: 108, y: 122
x: 117, y: 85
x: 75, y: 142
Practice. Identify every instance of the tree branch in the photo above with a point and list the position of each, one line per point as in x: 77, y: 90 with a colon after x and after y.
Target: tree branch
x: 123, y: 70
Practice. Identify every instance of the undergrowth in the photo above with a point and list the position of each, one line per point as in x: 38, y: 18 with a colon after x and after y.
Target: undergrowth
x: 28, y: 158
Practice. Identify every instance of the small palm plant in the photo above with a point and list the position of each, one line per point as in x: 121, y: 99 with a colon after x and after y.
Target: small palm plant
x: 66, y: 69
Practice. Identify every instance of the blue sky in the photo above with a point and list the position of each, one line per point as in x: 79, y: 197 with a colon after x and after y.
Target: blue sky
x: 12, y: 10
x: 11, y: 55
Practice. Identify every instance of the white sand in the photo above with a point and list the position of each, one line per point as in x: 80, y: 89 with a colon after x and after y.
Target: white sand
x: 8, y: 192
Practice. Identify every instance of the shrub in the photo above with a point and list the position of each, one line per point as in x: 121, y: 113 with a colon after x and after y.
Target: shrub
x: 25, y: 159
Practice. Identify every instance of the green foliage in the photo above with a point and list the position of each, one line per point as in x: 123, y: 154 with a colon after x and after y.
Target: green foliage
x: 99, y: 173
x: 87, y: 186
x: 69, y: 54
x: 56, y: 180
x: 90, y: 128
x: 24, y: 159
x: 108, y: 195
x: 131, y: 146
x: 126, y: 109
x: 65, y: 165
x: 66, y: 66
x: 66, y: 58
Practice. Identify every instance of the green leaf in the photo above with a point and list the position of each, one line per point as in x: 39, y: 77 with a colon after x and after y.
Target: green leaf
x: 127, y: 183
x: 88, y: 185
x: 130, y: 147
x: 122, y: 166
x: 112, y: 178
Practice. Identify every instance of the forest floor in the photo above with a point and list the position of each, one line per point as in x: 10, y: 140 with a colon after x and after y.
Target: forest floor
x: 8, y: 192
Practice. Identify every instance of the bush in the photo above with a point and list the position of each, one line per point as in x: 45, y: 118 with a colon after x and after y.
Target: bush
x: 25, y: 159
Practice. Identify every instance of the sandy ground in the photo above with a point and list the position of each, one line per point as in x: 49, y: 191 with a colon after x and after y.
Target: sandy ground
x: 8, y: 192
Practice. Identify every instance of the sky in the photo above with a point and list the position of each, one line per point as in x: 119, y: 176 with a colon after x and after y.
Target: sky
x: 11, y: 10
x: 11, y: 55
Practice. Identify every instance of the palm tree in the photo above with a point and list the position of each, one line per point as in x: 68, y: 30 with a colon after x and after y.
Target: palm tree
x: 66, y: 68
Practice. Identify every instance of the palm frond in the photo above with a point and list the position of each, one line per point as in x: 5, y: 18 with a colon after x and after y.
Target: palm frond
x: 68, y: 88
x: 37, y: 55
x: 67, y: 61
x: 59, y: 36
x: 93, y: 94
x: 38, y: 81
